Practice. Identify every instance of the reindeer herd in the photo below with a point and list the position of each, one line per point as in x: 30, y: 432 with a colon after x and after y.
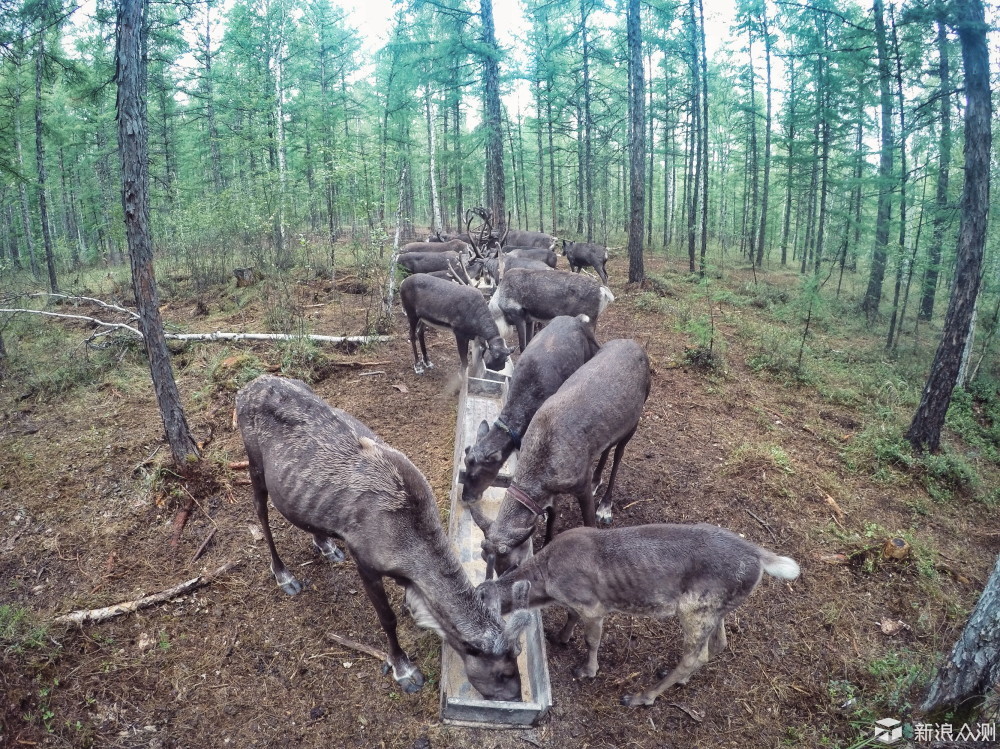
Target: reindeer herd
x: 571, y: 402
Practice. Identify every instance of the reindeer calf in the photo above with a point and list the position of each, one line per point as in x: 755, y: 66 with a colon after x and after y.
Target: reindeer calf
x: 700, y: 573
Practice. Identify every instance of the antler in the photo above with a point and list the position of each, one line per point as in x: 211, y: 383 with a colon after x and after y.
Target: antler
x: 503, y: 239
x: 472, y: 240
x: 462, y: 277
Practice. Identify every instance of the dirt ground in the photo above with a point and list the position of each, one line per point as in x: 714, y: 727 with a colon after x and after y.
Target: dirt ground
x: 238, y: 663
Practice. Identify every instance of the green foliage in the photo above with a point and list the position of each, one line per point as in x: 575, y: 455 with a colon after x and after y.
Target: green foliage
x: 18, y: 630
x: 974, y: 415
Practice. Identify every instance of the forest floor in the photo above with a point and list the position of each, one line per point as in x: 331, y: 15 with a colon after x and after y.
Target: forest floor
x: 87, y: 509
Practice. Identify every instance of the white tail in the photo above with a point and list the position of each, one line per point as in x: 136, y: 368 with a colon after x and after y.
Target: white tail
x: 784, y: 567
x: 606, y: 298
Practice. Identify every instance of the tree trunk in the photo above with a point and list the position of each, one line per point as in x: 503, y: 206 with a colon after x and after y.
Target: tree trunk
x: 925, y: 429
x: 588, y: 156
x: 541, y: 155
x: 873, y: 295
x: 754, y: 158
x: 133, y: 144
x: 636, y: 144
x: 29, y: 238
x: 901, y: 250
x: 974, y: 664
x: 790, y: 167
x: 215, y: 154
x: 766, y: 187
x: 496, y: 197
x: 704, y: 135
x: 431, y: 111
x: 944, y: 165
x: 43, y: 211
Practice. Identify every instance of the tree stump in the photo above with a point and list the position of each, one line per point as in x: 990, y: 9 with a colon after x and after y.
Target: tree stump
x: 246, y: 276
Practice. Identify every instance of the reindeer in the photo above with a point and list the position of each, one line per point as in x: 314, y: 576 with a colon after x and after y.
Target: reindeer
x: 580, y: 254
x: 553, y: 355
x: 330, y: 475
x: 528, y: 296
x: 522, y: 238
x: 434, y: 301
x: 431, y: 262
x: 534, y: 253
x: 699, y: 572
x: 596, y: 409
x: 454, y: 245
x: 491, y: 269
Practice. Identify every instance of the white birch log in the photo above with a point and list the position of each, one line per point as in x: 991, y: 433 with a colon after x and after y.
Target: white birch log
x: 127, y: 607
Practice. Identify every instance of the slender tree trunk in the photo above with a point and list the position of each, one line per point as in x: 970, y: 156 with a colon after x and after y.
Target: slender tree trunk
x: 873, y: 295
x: 588, y: 155
x: 430, y: 111
x: 133, y: 146
x: 636, y: 143
x: 944, y: 165
x: 29, y: 237
x: 215, y: 153
x: 766, y: 187
x: 754, y: 158
x: 496, y: 198
x: 790, y: 166
x: 925, y: 429
x: 279, y: 146
x: 43, y: 211
x: 703, y: 150
x: 901, y: 251
x: 541, y: 155
x: 459, y: 182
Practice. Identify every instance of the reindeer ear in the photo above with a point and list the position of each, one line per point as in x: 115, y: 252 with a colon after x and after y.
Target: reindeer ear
x: 516, y: 624
x: 484, y: 428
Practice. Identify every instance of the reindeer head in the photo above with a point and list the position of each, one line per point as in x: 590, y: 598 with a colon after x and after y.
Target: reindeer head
x: 482, y: 463
x: 491, y: 661
x: 496, y: 352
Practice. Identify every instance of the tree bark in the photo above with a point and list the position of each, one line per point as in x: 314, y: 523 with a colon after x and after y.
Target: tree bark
x: 43, y: 210
x: 636, y: 144
x: 133, y: 145
x: 974, y: 664
x: 944, y: 165
x: 588, y: 156
x: 766, y: 187
x: 925, y: 429
x: 873, y: 295
x: 496, y: 197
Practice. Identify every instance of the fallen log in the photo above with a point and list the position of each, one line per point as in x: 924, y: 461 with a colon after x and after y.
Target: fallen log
x: 127, y: 607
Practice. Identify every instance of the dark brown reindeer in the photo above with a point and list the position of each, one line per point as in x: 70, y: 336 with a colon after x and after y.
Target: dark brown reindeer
x: 454, y: 245
x: 582, y: 254
x: 526, y: 296
x: 596, y: 409
x: 565, y: 345
x: 700, y: 573
x: 329, y: 474
x: 460, y: 308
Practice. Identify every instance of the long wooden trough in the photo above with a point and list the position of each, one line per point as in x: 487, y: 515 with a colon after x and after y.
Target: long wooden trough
x: 482, y: 398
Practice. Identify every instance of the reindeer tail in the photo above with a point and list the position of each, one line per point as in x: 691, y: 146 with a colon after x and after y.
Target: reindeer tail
x: 784, y: 567
x: 606, y: 298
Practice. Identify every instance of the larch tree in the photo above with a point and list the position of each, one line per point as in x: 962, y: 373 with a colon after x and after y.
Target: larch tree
x: 924, y: 432
x: 496, y: 200
x: 636, y: 144
x: 130, y: 76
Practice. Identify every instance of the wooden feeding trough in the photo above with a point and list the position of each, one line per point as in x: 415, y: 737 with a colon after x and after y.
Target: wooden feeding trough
x: 482, y: 398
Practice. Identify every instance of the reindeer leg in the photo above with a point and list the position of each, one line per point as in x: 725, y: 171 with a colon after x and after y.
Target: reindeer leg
x: 600, y: 468
x: 586, y: 500
x: 421, y: 330
x: 325, y: 546
x: 403, y: 671
x: 718, y: 641
x: 418, y: 366
x: 699, y: 624
x: 567, y: 631
x: 463, y: 350
x: 522, y: 333
x: 603, y: 272
x: 285, y: 579
x: 604, y: 508
x: 550, y: 524
x: 592, y: 631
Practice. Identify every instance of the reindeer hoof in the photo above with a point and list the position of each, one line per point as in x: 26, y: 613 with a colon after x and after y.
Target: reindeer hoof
x: 429, y: 364
x: 603, y: 516
x: 583, y: 672
x: 636, y: 700
x: 291, y: 587
x: 330, y: 552
x: 418, y: 369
